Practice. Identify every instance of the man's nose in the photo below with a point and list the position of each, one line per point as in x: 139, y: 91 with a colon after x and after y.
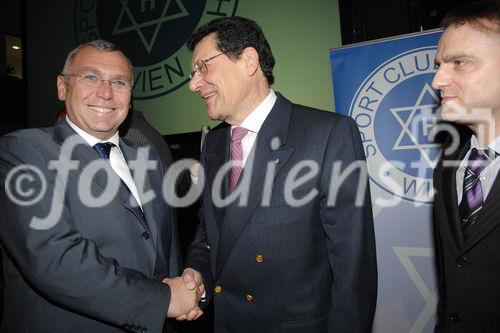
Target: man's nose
x: 196, y: 82
x: 105, y: 90
x: 441, y: 78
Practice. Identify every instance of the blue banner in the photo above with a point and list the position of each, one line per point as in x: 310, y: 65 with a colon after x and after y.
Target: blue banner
x: 385, y: 86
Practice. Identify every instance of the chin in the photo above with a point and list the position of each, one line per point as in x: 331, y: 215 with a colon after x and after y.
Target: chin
x: 211, y: 116
x: 214, y: 115
x: 453, y: 111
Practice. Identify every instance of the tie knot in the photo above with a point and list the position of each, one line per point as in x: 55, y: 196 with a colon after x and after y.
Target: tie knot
x: 238, y: 134
x: 103, y: 149
x: 479, y: 159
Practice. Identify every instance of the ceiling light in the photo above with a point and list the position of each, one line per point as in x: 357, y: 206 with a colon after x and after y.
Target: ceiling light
x: 15, y: 47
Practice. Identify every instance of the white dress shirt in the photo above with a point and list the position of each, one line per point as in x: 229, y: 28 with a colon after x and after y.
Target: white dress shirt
x: 116, y: 158
x: 253, y: 122
x: 487, y: 176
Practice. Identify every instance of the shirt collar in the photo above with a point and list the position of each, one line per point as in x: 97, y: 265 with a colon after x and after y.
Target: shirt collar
x: 91, y: 140
x: 253, y: 122
x: 494, y: 145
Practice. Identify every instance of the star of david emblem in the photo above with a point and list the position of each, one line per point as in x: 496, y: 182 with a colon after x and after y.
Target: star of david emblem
x: 404, y: 255
x: 127, y: 21
x: 411, y: 117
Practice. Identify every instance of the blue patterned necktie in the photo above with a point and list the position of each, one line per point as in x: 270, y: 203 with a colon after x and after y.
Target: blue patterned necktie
x: 103, y: 149
x: 472, y: 199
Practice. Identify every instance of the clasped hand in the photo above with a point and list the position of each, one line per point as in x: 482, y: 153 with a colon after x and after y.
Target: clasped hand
x: 185, y: 293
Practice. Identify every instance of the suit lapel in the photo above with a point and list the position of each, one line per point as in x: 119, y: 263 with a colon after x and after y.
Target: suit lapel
x: 270, y: 148
x: 76, y: 148
x: 453, y: 230
x: 487, y: 218
x: 217, y: 155
x: 128, y: 200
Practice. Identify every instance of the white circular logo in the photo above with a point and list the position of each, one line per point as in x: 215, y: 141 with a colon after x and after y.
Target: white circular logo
x: 394, y: 109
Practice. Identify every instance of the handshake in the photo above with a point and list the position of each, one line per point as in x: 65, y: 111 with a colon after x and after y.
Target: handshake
x: 185, y: 293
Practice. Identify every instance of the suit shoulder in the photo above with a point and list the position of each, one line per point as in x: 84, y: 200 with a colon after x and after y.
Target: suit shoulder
x: 217, y: 131
x: 137, y: 148
x: 220, y: 126
x: 320, y: 118
x: 32, y: 145
x: 36, y: 137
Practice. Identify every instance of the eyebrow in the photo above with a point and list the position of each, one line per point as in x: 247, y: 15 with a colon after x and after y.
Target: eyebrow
x: 98, y: 72
x: 451, y: 57
x: 90, y: 69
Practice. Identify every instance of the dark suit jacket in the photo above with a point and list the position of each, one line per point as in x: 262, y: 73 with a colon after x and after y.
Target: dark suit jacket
x: 289, y: 269
x: 469, y: 271
x: 97, y: 269
x: 138, y: 131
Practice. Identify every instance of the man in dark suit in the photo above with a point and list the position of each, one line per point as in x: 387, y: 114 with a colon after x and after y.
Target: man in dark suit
x: 86, y: 235
x: 294, y: 251
x: 466, y: 208
x: 138, y: 130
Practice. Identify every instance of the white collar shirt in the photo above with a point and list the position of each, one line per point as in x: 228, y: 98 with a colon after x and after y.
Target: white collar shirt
x: 116, y: 158
x: 253, y: 122
x: 487, y: 176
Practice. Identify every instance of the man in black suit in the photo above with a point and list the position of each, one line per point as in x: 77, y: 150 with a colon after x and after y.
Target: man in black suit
x: 138, y: 130
x: 466, y: 208
x: 86, y: 237
x: 295, y: 250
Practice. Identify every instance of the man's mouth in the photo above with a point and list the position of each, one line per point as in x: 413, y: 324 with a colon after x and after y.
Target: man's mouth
x: 207, y: 96
x: 100, y: 109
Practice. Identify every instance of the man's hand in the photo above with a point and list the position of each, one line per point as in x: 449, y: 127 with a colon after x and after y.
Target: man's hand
x: 194, y: 169
x: 183, y: 302
x: 193, y: 280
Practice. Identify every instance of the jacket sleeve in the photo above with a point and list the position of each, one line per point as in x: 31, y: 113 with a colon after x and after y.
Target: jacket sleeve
x: 346, y: 217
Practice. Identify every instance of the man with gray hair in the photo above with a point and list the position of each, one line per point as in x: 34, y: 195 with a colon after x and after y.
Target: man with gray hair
x: 86, y: 236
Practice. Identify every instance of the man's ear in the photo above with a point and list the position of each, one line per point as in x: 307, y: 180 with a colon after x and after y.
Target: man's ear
x: 61, y: 87
x: 251, y: 58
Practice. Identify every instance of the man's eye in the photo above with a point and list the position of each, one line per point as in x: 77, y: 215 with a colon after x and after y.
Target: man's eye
x: 90, y: 77
x: 119, y: 83
x: 459, y: 62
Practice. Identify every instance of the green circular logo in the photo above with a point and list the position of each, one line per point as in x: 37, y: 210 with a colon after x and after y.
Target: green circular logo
x: 152, y: 33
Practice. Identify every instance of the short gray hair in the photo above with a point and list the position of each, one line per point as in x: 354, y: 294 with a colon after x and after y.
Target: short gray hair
x: 99, y: 45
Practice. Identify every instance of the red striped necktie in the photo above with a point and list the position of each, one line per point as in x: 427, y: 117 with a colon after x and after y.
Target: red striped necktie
x: 236, y: 156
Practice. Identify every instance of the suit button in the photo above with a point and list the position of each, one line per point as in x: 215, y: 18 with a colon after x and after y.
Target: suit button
x: 462, y: 261
x: 249, y: 297
x: 145, y: 235
x: 455, y: 317
x: 218, y: 289
x: 259, y: 258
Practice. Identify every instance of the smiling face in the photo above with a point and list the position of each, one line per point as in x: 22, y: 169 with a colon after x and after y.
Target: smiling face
x: 469, y: 74
x: 228, y: 86
x: 98, y: 111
